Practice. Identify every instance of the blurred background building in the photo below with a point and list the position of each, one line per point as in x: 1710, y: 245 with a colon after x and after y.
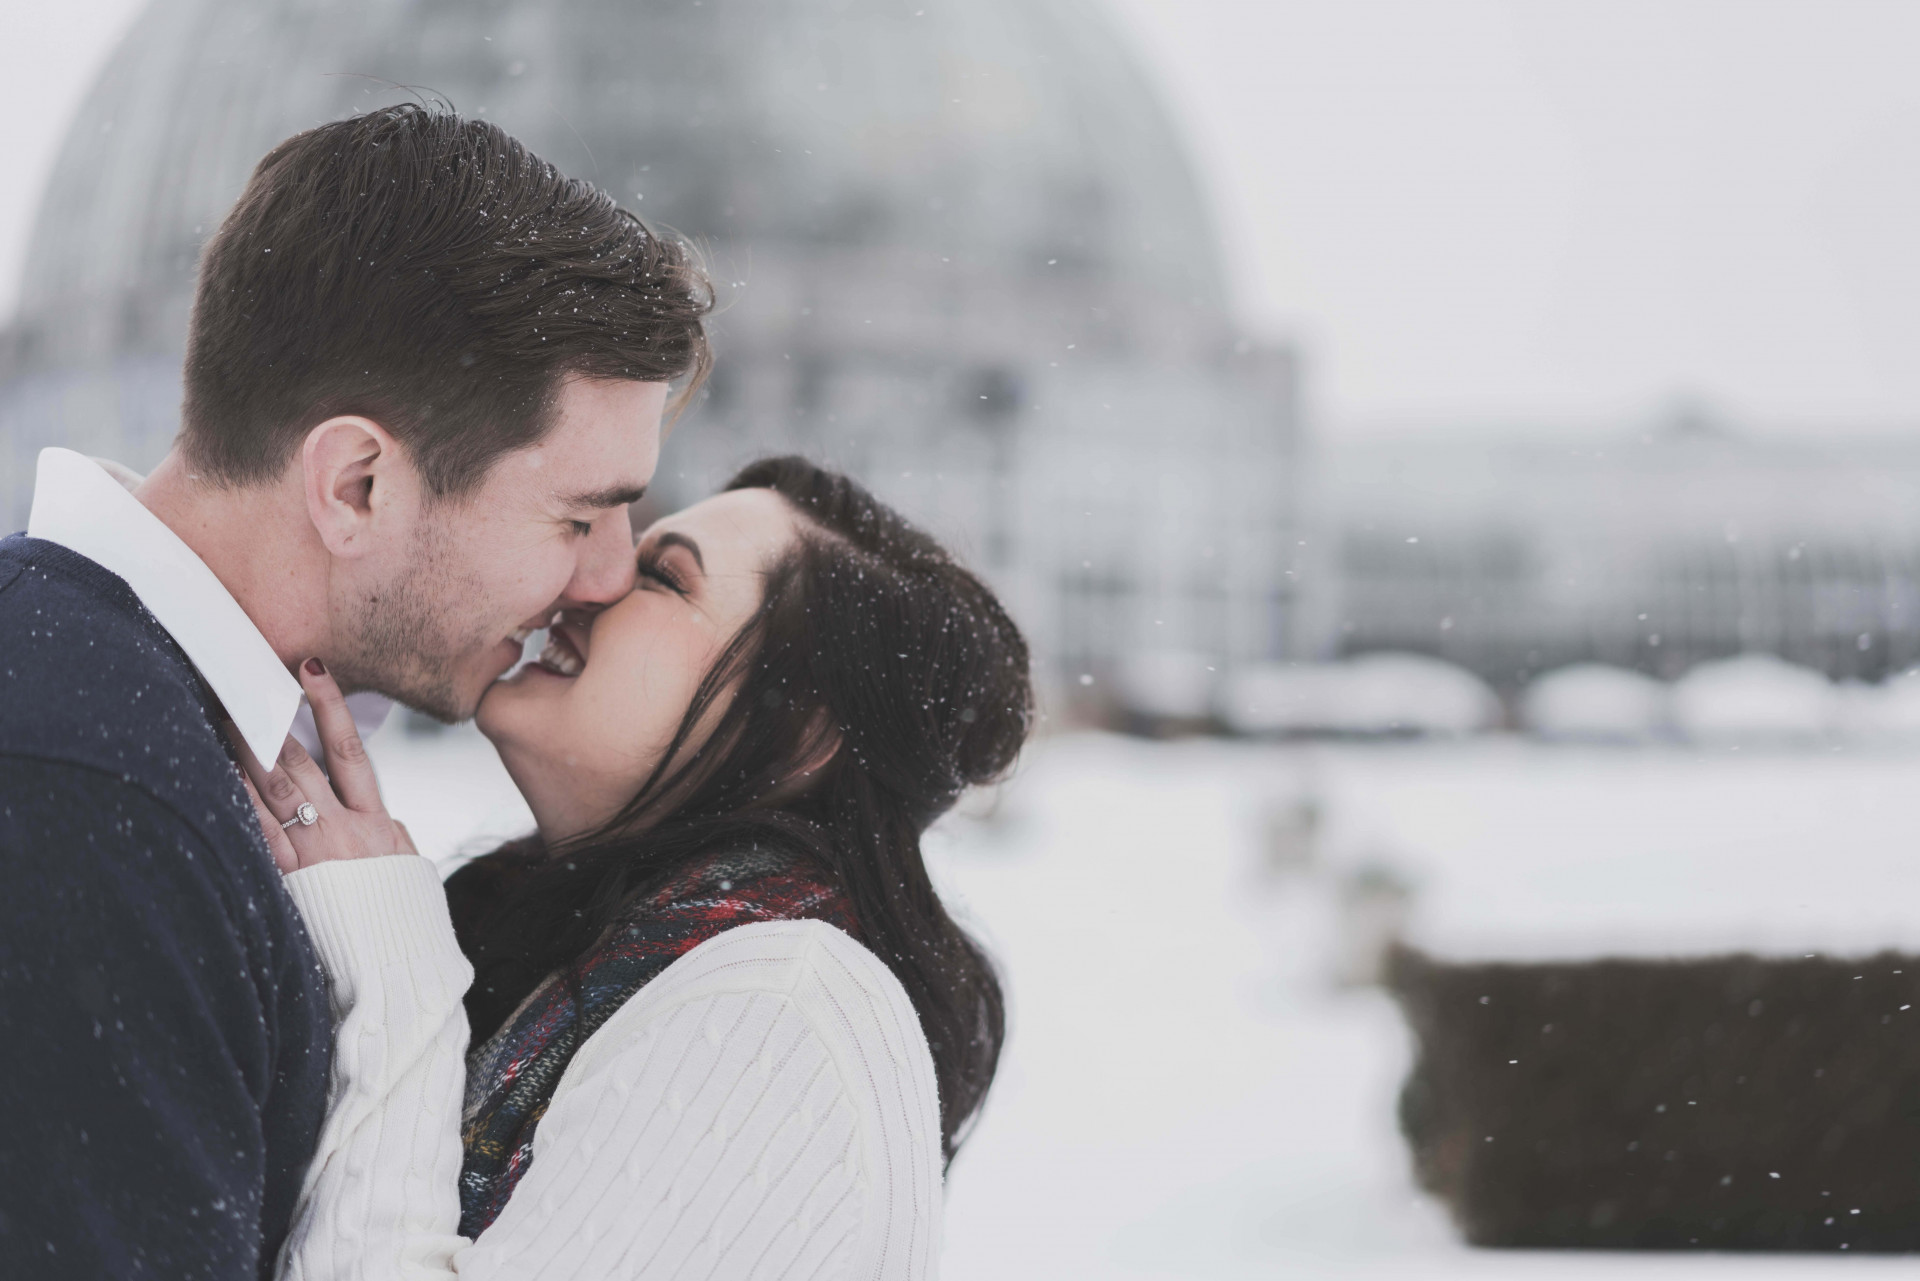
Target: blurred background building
x: 959, y: 250
x: 1654, y: 550
x: 962, y: 253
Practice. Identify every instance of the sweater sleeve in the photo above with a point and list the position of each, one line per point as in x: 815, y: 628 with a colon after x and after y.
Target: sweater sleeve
x: 381, y: 1199
x: 142, y: 1036
x: 764, y: 1108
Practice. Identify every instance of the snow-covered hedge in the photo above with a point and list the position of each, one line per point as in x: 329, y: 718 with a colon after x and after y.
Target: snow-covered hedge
x: 1755, y: 697
x: 1594, y: 702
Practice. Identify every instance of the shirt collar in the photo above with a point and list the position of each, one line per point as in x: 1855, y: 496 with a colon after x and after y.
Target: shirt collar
x: 79, y: 506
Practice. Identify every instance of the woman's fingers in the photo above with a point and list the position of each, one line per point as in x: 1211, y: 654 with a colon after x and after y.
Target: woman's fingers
x: 340, y: 832
x: 299, y: 779
x: 347, y: 763
x: 274, y: 788
x: 285, y: 857
x: 308, y: 779
x: 406, y: 838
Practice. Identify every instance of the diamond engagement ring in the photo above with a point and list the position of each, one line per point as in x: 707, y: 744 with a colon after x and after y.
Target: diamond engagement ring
x: 305, y: 816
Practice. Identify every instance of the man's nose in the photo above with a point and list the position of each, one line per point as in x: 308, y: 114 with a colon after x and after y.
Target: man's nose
x: 604, y: 573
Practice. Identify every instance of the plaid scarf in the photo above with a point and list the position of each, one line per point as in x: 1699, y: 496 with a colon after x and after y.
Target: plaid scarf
x: 512, y: 1076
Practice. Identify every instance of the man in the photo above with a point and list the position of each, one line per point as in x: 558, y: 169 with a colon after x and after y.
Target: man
x: 425, y: 376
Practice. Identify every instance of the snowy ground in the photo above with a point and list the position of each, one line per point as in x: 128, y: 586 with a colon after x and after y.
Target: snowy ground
x: 1186, y: 1091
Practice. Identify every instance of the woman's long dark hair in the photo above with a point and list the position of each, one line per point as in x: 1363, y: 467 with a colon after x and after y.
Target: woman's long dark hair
x: 870, y: 643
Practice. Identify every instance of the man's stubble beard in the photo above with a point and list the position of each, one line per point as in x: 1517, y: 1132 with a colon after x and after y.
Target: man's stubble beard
x: 405, y: 639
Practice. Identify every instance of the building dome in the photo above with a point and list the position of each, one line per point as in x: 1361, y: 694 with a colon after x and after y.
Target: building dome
x: 959, y: 252
x: 986, y: 137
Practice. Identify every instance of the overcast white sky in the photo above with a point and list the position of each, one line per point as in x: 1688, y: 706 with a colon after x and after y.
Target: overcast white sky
x: 1526, y: 212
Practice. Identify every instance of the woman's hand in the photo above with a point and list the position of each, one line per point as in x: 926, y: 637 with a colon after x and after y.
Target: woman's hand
x: 350, y: 820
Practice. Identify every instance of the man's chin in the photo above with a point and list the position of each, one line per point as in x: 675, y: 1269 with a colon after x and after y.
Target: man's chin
x: 441, y: 706
x: 449, y: 693
x: 471, y: 688
x: 450, y: 702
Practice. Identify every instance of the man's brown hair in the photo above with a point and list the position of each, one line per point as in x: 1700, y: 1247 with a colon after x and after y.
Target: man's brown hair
x: 430, y: 273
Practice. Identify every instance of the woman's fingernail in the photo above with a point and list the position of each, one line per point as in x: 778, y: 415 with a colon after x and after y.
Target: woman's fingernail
x: 316, y: 668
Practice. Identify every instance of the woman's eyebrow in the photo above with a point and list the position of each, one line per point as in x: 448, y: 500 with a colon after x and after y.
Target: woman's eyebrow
x: 672, y: 539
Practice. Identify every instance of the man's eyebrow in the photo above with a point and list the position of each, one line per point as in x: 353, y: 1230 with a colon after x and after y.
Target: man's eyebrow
x: 611, y: 496
x: 671, y: 539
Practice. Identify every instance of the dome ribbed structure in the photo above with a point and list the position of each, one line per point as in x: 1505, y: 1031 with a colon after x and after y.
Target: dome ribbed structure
x: 945, y: 233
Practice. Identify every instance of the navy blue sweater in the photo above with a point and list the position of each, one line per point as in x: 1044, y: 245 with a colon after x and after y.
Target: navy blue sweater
x: 163, y: 1016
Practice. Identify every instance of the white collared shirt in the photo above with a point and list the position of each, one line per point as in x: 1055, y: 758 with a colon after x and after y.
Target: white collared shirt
x: 78, y: 505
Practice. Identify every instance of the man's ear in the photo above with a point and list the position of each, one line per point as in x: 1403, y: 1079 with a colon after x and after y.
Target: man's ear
x: 356, y: 477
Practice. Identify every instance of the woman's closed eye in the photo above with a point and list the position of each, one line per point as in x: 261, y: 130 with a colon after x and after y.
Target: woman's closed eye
x: 657, y: 570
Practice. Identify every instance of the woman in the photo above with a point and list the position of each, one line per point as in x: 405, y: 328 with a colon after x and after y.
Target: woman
x: 721, y: 1023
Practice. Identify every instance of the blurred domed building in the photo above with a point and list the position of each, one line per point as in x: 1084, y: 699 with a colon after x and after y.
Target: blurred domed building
x: 960, y: 250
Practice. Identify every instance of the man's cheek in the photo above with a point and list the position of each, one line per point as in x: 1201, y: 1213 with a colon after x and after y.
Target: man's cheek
x: 534, y: 579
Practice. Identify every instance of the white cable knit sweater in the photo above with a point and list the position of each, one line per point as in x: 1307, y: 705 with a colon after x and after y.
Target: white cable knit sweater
x: 764, y: 1108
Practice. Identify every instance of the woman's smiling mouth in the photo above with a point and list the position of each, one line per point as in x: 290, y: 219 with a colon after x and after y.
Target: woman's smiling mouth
x: 562, y: 655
